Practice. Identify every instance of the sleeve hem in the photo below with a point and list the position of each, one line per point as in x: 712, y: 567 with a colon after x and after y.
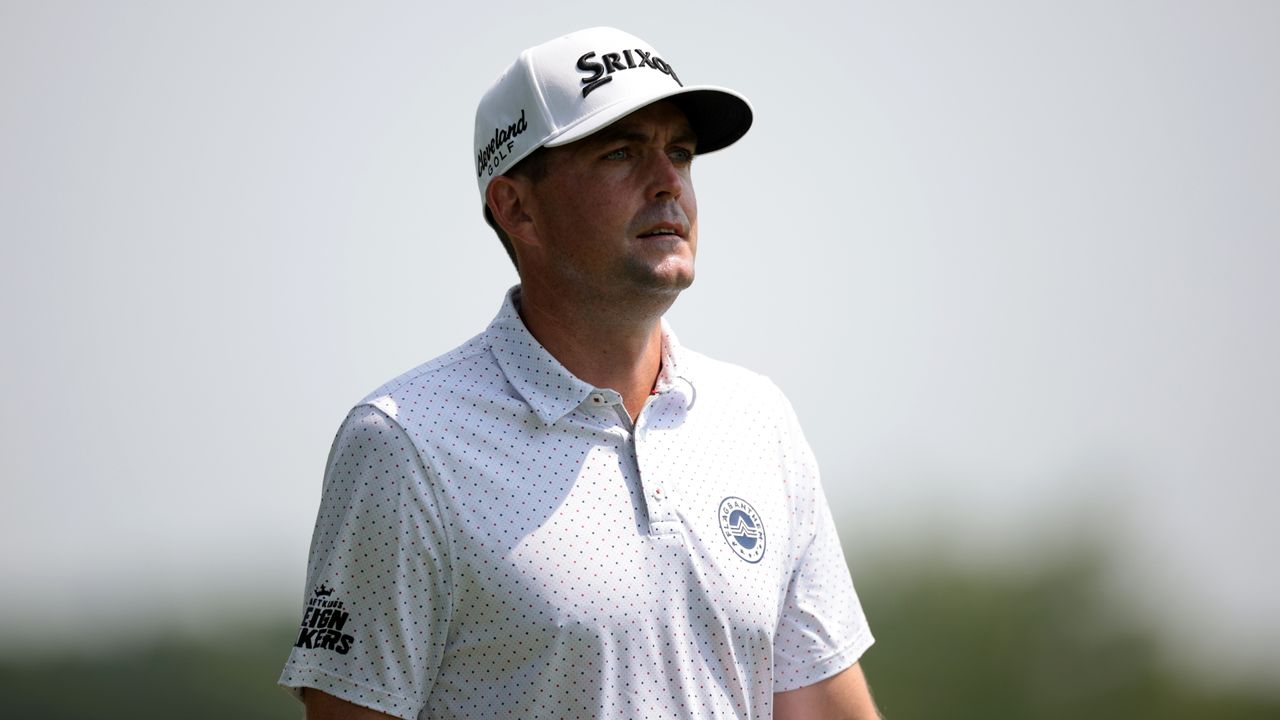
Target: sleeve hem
x: 295, y: 678
x: 828, y: 666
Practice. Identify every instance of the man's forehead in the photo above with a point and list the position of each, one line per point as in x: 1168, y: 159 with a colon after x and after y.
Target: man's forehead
x: 663, y: 116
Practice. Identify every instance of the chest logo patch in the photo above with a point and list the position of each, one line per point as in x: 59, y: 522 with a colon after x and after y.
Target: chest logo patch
x: 742, y: 528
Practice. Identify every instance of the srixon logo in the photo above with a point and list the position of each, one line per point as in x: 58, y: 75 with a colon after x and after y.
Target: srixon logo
x: 602, y: 70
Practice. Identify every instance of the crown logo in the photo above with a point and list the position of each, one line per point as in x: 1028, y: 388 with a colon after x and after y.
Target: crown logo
x: 323, y: 591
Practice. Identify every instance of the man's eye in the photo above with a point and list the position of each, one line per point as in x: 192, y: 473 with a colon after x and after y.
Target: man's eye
x: 619, y: 154
x: 682, y: 155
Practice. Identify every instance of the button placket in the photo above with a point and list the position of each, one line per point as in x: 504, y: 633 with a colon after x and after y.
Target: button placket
x: 657, y: 495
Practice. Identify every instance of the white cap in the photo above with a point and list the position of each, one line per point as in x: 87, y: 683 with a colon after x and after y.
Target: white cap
x: 566, y: 89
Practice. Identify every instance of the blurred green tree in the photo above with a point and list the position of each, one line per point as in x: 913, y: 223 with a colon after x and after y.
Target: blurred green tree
x: 1038, y: 644
x: 175, y: 677
x: 951, y: 643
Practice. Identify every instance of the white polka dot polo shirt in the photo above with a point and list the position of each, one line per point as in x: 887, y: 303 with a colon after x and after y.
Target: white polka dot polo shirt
x: 497, y: 539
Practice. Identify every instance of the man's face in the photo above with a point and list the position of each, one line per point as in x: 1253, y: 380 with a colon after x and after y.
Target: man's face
x: 616, y: 212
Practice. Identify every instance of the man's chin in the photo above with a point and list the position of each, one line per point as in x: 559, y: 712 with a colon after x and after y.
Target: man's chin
x: 668, y: 276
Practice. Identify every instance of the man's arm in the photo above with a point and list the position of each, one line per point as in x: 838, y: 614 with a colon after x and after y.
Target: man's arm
x: 323, y: 706
x: 379, y: 538
x: 843, y: 696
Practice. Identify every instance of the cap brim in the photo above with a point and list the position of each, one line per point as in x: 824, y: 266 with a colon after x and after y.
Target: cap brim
x: 718, y: 116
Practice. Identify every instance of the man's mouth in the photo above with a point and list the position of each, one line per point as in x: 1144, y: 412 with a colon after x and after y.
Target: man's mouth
x: 662, y: 230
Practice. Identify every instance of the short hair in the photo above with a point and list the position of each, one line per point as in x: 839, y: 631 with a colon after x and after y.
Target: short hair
x: 534, y: 167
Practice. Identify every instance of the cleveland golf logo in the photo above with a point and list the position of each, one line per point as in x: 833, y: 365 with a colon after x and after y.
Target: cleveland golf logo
x: 322, y: 623
x: 602, y: 70
x: 742, y: 528
x: 490, y: 156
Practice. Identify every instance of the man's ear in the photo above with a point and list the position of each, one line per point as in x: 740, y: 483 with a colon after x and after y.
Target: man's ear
x: 509, y: 201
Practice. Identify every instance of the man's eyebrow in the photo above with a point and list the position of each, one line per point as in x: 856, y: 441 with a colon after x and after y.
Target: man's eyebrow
x: 685, y: 137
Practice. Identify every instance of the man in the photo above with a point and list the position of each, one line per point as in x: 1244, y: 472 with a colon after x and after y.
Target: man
x: 571, y: 515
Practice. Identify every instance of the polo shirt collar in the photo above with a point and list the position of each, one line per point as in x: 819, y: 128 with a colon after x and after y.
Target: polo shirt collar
x: 546, y: 385
x: 677, y: 373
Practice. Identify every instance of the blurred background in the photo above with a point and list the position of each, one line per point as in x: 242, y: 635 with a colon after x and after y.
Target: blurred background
x: 1014, y: 264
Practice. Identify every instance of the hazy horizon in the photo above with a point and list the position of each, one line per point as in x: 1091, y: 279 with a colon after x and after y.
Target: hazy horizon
x: 1011, y: 264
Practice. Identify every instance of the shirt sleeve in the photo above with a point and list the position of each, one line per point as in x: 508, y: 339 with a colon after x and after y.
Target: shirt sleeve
x: 822, y: 629
x: 378, y: 596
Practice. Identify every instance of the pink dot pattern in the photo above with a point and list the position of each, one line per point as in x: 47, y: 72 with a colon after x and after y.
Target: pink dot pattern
x: 508, y: 543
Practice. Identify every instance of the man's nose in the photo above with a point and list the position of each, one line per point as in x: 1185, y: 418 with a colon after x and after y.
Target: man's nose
x: 666, y: 180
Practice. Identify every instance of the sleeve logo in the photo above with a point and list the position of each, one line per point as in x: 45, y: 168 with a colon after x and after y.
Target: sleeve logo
x: 322, y: 623
x: 742, y: 528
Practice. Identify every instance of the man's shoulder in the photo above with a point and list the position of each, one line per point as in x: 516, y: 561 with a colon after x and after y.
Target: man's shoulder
x: 722, y: 377
x: 471, y: 359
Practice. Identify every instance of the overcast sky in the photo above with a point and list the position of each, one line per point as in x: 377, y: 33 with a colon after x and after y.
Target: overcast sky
x: 1014, y: 263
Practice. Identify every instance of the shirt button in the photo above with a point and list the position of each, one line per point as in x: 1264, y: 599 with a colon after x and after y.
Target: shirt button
x: 657, y: 492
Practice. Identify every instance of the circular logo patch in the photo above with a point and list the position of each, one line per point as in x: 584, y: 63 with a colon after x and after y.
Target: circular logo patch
x: 742, y: 528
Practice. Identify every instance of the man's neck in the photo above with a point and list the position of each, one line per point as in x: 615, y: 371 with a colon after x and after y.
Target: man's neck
x: 623, y: 353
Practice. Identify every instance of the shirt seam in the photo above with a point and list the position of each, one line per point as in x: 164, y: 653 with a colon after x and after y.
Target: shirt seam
x: 433, y: 487
x: 808, y: 514
x: 298, y: 683
x: 855, y: 648
x: 463, y: 352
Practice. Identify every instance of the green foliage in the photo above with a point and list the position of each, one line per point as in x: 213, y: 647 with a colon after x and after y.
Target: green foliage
x: 949, y: 644
x: 1032, y: 646
x: 170, y: 678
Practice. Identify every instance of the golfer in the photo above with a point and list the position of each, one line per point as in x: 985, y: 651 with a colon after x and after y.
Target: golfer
x: 572, y: 515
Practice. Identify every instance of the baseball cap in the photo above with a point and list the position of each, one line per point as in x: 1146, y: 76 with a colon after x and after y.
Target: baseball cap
x: 565, y: 89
